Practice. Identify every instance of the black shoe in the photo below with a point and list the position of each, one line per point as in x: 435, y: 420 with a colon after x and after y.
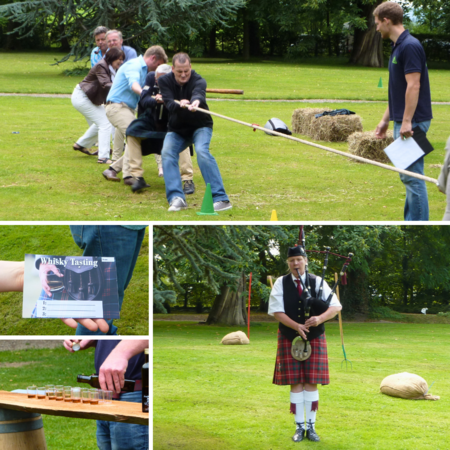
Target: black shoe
x: 299, y: 433
x: 312, y: 435
x: 188, y: 187
x: 139, y: 184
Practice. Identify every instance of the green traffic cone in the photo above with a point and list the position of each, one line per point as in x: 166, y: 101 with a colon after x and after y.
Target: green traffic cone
x: 208, y: 204
x: 380, y: 83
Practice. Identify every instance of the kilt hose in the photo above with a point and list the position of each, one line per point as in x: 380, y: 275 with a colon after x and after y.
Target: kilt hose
x: 314, y: 370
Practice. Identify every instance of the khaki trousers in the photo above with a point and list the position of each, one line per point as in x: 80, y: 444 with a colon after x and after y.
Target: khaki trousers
x: 120, y: 116
x: 133, y: 157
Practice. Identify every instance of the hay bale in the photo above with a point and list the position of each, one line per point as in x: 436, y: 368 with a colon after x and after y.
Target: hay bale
x: 235, y: 338
x: 406, y: 385
x: 301, y: 119
x: 368, y: 146
x: 335, y: 128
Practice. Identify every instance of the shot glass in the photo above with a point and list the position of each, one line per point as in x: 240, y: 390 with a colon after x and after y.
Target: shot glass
x: 67, y: 393
x: 50, y: 393
x: 93, y: 396
x: 76, y: 395
x: 85, y: 395
x: 59, y: 393
x: 31, y: 391
x: 50, y: 389
x: 107, y: 397
x: 41, y: 393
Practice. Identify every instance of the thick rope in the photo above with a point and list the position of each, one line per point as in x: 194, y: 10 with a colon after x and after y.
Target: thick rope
x: 328, y: 149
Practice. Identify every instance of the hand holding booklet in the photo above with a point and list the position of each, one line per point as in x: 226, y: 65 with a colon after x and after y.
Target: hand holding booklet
x: 70, y: 287
x: 405, y: 152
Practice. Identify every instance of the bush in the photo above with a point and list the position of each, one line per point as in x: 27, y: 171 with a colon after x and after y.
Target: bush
x: 383, y: 312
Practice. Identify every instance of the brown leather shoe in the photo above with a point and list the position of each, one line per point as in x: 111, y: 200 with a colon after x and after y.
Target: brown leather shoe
x: 110, y: 175
x: 129, y: 181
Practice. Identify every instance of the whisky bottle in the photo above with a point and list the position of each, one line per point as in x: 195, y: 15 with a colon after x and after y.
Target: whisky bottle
x: 145, y: 382
x: 95, y: 383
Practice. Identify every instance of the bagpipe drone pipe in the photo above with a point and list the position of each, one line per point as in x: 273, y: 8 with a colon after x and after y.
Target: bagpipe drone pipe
x: 315, y: 306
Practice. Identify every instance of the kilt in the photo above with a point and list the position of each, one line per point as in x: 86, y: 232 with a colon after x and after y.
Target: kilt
x: 314, y: 370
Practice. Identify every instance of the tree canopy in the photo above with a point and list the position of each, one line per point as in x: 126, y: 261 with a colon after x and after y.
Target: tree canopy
x: 401, y: 267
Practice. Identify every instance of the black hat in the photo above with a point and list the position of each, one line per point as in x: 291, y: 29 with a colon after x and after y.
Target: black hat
x: 296, y: 251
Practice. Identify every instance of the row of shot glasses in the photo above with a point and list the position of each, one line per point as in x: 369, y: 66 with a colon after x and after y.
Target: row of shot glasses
x: 70, y: 394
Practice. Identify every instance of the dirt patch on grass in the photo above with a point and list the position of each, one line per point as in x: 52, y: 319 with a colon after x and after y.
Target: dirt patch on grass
x: 13, y: 345
x: 16, y: 364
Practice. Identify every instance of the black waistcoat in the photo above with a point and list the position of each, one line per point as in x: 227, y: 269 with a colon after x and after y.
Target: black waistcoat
x: 294, y: 308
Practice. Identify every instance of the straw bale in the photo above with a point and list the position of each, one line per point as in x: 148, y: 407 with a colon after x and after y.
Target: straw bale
x: 368, y: 146
x: 335, y: 128
x: 301, y: 119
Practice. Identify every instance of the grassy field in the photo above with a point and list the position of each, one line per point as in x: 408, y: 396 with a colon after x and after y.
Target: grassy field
x: 16, y: 240
x: 44, y: 179
x: 19, y: 369
x: 260, y: 79
x: 211, y: 396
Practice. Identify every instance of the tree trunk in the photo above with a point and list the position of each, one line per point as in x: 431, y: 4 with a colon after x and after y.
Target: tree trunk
x: 246, y: 36
x: 356, y: 294
x: 254, y: 38
x: 212, y: 41
x: 368, y: 44
x: 229, y: 306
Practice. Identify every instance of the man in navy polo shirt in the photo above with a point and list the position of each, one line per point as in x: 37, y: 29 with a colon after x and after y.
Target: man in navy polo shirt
x: 409, y: 99
x: 116, y: 361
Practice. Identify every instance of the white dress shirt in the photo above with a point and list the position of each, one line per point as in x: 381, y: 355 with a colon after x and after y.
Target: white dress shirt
x: 276, y: 303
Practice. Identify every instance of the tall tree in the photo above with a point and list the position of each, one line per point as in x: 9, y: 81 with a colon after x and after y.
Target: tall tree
x: 367, y: 42
x: 142, y: 22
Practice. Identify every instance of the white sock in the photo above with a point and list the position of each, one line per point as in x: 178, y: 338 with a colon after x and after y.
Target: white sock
x: 311, y: 407
x: 298, y: 401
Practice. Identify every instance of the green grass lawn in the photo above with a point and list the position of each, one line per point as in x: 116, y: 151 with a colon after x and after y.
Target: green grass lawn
x: 16, y: 240
x: 19, y: 369
x: 260, y: 78
x: 44, y: 179
x: 211, y: 396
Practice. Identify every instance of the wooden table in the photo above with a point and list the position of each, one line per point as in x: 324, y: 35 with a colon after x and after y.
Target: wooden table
x: 125, y: 412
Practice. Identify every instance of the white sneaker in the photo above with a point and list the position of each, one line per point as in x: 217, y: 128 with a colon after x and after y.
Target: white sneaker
x: 222, y: 206
x: 178, y: 204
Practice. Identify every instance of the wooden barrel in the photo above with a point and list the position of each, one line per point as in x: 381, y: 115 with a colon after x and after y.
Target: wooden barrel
x: 21, y: 430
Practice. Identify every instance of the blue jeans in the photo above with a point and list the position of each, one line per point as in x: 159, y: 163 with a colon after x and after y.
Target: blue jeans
x: 416, y: 202
x: 174, y: 144
x: 123, y: 436
x: 110, y: 240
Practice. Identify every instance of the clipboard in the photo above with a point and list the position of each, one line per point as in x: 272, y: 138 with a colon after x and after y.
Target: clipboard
x: 405, y: 152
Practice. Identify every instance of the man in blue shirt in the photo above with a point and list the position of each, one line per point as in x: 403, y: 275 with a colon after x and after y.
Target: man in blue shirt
x: 122, y: 101
x: 409, y: 99
x: 114, y: 39
x: 102, y: 46
x: 115, y: 362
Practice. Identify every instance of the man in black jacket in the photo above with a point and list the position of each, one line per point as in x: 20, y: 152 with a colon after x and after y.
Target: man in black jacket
x: 188, y: 126
x: 145, y: 135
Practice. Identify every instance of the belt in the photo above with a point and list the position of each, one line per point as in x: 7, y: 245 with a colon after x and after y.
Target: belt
x: 137, y: 387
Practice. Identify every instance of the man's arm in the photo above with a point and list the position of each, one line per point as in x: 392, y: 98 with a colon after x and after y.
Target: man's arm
x: 112, y: 371
x: 380, y: 132
x: 314, y: 321
x: 136, y: 88
x: 411, y: 99
x: 167, y: 94
x: 285, y: 320
x: 11, y: 276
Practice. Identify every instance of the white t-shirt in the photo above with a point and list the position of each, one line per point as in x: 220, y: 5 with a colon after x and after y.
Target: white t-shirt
x: 276, y: 303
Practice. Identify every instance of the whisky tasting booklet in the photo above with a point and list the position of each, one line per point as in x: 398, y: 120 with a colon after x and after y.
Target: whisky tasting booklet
x: 70, y: 287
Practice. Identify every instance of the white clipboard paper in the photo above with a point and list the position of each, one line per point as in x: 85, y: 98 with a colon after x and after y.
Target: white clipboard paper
x: 404, y: 152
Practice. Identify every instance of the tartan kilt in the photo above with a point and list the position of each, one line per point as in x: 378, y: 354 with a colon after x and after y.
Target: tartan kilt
x: 314, y: 370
